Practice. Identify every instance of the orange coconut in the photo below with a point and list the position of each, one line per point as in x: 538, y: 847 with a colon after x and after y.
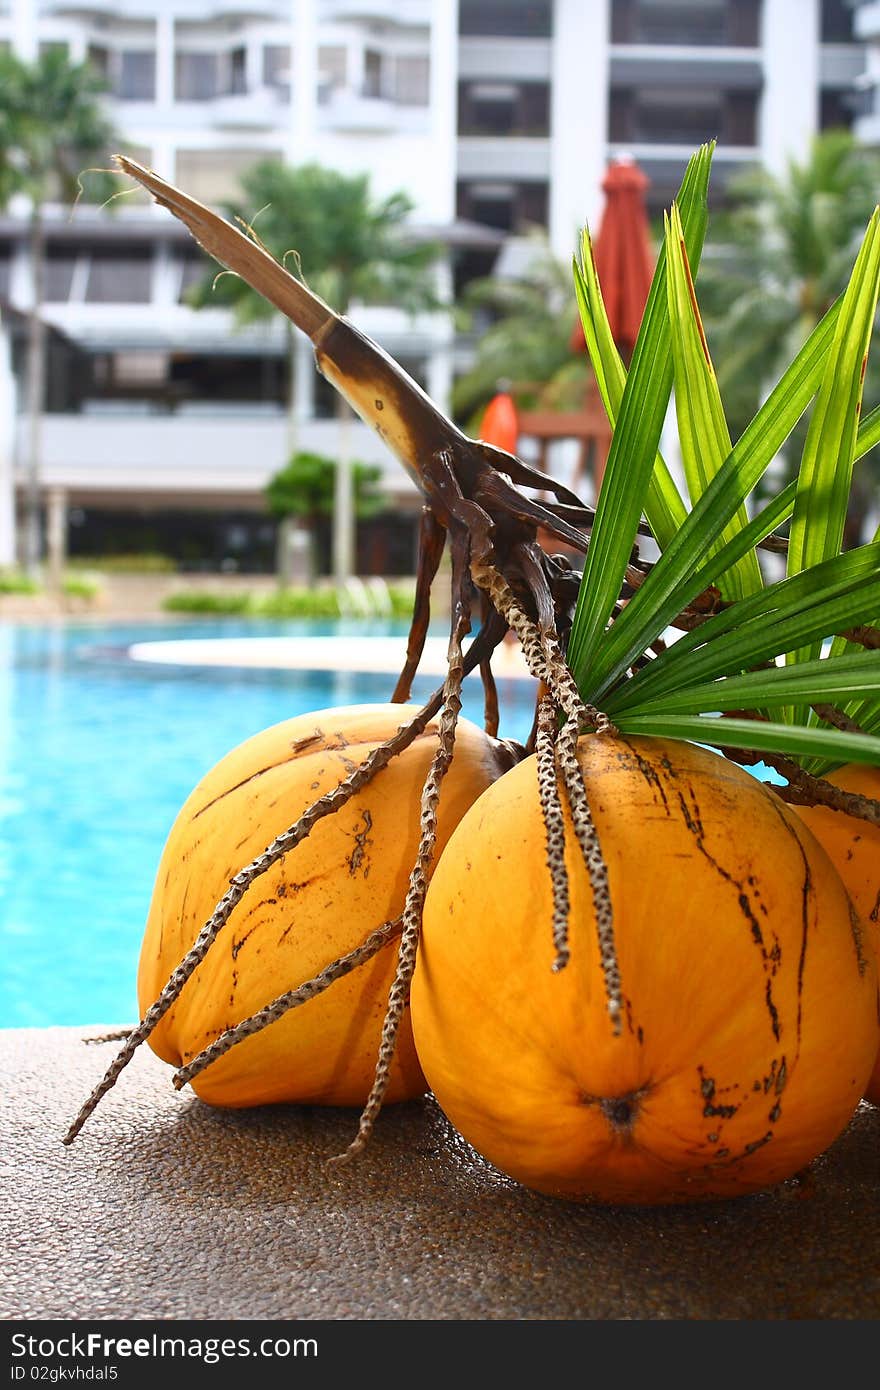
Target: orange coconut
x: 853, y: 846
x: 348, y: 877
x: 750, y: 1020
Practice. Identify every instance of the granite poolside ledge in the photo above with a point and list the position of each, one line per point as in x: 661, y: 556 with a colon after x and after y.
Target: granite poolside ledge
x: 164, y: 1208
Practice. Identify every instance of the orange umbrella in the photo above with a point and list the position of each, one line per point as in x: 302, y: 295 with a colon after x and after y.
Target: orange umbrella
x: 500, y: 425
x: 623, y: 255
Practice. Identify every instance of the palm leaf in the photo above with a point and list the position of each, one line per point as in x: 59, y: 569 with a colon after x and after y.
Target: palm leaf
x: 681, y: 573
x: 633, y: 449
x: 813, y: 681
x: 793, y: 740
x: 664, y: 509
x: 702, y: 428
x: 806, y: 607
x: 777, y: 511
x: 825, y: 475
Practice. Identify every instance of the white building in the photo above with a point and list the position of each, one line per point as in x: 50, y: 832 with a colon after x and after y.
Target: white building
x: 491, y: 114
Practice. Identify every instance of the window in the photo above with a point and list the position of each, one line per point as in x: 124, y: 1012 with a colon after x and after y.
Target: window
x: 277, y: 63
x: 196, y: 266
x: 504, y: 108
x: 508, y: 207
x: 404, y: 79
x: 136, y: 75
x: 332, y: 65
x: 237, y: 68
x: 99, y: 58
x: 120, y: 275
x: 837, y: 21
x: 229, y: 379
x: 130, y: 74
x: 140, y: 368
x: 411, y: 80
x: 373, y: 73
x: 196, y: 76
x: 5, y: 268
x: 661, y: 118
x: 59, y: 267
x: 531, y: 19
x: 688, y: 22
x: 668, y: 117
x: 836, y: 108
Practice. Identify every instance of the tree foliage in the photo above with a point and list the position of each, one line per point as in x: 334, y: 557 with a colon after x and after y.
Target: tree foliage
x: 523, y: 326
x: 52, y: 127
x: 304, y: 488
x: 328, y: 229
x: 786, y: 247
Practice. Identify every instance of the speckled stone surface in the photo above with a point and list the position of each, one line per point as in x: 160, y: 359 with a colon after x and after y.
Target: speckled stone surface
x: 164, y: 1208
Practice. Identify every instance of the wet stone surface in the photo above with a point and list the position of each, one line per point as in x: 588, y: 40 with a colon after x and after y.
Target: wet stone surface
x: 165, y: 1208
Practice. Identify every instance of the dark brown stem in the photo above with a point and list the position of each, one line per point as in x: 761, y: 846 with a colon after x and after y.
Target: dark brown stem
x: 432, y: 539
x: 830, y: 714
x: 490, y: 700
x: 863, y: 636
x: 803, y: 788
x: 806, y: 790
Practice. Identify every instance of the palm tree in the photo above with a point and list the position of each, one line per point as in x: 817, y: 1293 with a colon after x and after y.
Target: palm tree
x: 788, y: 246
x: 525, y: 325
x: 304, y: 490
x: 52, y: 126
x: 348, y: 247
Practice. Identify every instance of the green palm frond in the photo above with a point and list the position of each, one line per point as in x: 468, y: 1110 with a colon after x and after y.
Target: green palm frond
x: 729, y: 680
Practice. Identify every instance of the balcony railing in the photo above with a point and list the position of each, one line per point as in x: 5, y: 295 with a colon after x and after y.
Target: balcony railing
x: 377, y: 11
x: 231, y: 449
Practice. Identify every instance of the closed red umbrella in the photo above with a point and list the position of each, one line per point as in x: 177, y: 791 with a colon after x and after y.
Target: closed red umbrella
x: 500, y: 425
x: 623, y: 255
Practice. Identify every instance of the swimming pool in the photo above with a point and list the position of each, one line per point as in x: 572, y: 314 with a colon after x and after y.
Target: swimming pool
x: 97, y: 754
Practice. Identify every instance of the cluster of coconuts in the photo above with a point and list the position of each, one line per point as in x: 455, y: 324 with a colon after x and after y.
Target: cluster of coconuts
x: 746, y: 935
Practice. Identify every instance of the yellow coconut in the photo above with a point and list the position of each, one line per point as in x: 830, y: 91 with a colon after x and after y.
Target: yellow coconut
x: 750, y: 1018
x: 853, y: 846
x: 317, y: 902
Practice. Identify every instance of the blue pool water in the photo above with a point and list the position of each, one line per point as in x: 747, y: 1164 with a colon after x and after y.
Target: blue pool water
x: 97, y: 754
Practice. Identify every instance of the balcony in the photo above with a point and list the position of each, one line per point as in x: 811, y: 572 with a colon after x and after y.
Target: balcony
x: 229, y: 450
x: 185, y: 9
x: 840, y: 64
x: 507, y: 59
x: 260, y: 109
x: 664, y: 165
x: 728, y: 68
x: 503, y: 157
x: 709, y: 23
x: 348, y: 111
x: 395, y: 12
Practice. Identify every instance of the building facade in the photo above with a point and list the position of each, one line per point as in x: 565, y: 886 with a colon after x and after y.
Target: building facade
x: 162, y: 423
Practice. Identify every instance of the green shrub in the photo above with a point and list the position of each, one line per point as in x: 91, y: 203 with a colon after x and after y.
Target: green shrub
x: 85, y: 586
x: 197, y: 601
x: 299, y: 603
x: 12, y: 582
x: 402, y: 597
x: 287, y: 603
